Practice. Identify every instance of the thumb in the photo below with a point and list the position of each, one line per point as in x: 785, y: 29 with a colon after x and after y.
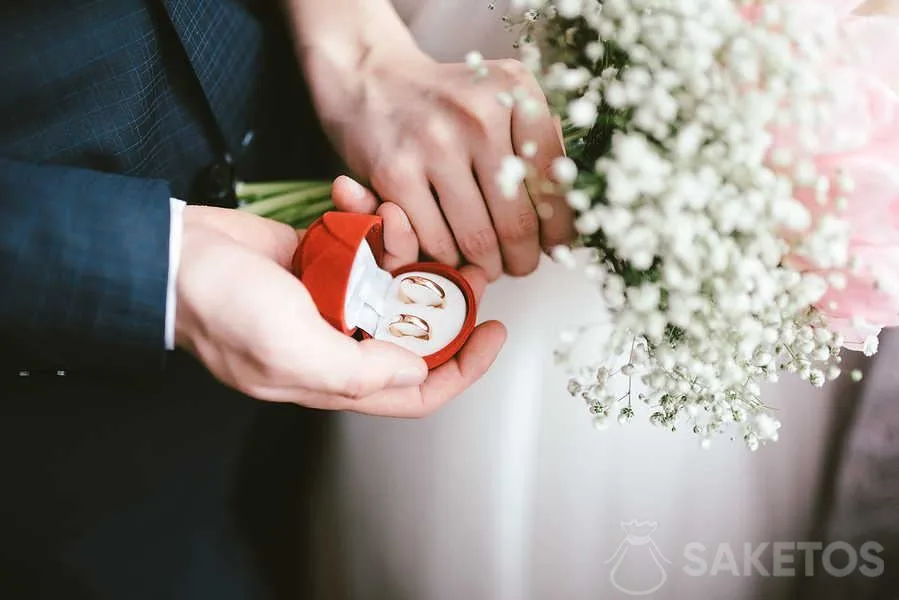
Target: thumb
x: 349, y: 195
x: 263, y: 236
x: 357, y: 369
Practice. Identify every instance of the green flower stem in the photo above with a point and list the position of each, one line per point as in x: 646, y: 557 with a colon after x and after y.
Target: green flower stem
x: 271, y: 204
x: 303, y: 205
x: 574, y: 135
x: 296, y: 203
x: 252, y: 192
x: 302, y: 215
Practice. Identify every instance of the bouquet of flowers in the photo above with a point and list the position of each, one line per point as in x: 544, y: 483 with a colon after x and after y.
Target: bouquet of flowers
x: 736, y: 180
x: 734, y: 165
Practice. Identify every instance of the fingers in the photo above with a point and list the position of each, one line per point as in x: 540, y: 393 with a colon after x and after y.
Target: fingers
x: 479, y: 352
x: 476, y: 278
x: 338, y: 370
x: 444, y: 383
x: 468, y: 217
x: 542, y: 130
x: 400, y: 243
x: 354, y: 369
x: 350, y: 196
x: 452, y: 378
x: 404, y: 183
x: 514, y: 219
x: 265, y: 337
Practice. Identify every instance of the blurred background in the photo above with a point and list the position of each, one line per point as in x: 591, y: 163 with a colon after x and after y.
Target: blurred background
x: 509, y: 493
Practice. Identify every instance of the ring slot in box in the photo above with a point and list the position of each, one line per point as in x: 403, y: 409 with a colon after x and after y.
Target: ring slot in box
x: 426, y: 308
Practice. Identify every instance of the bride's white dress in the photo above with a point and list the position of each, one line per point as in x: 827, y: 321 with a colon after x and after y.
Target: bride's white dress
x: 509, y: 493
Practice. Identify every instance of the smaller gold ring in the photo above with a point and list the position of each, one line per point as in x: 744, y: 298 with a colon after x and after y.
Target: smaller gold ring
x: 409, y: 326
x: 416, y: 289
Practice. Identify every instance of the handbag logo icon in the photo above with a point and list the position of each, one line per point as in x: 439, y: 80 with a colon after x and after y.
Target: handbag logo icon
x: 638, y: 568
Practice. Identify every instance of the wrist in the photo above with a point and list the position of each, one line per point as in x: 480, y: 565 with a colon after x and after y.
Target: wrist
x: 195, y: 240
x: 341, y: 89
x: 333, y: 48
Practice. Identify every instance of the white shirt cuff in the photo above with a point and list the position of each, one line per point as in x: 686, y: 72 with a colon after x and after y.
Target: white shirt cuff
x: 171, y: 298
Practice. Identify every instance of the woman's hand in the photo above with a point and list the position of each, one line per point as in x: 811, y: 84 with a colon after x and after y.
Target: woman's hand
x: 429, y: 138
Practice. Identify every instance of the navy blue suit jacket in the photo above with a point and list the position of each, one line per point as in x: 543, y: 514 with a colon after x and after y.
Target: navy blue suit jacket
x: 124, y: 477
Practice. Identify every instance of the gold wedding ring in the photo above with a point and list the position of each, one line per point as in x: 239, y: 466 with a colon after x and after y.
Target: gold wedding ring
x: 416, y: 289
x: 409, y: 326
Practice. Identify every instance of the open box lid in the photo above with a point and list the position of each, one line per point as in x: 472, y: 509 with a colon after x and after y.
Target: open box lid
x: 326, y: 256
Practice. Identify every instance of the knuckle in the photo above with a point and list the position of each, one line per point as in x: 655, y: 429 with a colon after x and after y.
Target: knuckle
x: 267, y: 364
x: 439, y: 135
x: 482, y: 113
x: 481, y: 242
x: 395, y: 175
x: 524, y: 227
x: 513, y: 67
x: 516, y: 72
x: 485, y: 123
x: 259, y: 371
x: 353, y: 385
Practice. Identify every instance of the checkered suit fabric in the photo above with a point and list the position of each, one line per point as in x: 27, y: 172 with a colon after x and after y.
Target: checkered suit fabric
x: 110, y: 107
x: 140, y: 483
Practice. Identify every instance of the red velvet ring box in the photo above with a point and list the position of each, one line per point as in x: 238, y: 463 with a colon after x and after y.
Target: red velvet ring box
x: 427, y: 308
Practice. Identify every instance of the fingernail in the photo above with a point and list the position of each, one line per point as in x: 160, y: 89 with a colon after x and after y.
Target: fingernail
x: 409, y: 377
x: 354, y: 188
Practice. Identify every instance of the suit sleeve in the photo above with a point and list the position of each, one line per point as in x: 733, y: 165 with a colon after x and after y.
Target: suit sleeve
x: 84, y: 262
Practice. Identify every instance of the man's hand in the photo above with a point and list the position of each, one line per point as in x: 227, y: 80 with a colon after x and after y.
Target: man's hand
x: 252, y: 323
x: 429, y: 138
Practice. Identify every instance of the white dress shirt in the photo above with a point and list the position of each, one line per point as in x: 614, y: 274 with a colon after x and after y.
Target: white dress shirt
x: 171, y: 299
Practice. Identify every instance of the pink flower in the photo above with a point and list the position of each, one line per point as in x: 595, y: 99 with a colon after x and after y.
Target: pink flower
x: 864, y: 145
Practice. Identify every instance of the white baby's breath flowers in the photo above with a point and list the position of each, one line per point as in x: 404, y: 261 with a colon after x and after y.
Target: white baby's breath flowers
x: 582, y: 112
x: 475, y: 62
x: 564, y: 170
x: 511, y: 174
x: 695, y: 220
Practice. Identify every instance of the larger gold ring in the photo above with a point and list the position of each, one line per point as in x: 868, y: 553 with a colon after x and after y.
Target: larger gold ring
x: 416, y: 289
x: 409, y: 326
